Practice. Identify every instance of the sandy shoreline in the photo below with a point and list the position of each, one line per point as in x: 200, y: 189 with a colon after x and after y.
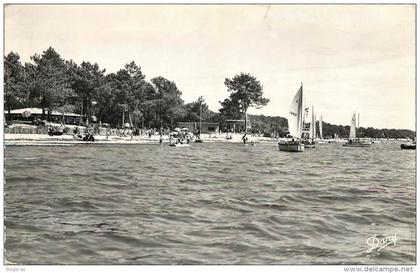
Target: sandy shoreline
x: 38, y: 139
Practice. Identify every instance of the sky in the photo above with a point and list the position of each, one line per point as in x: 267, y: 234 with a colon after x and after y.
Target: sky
x: 350, y: 58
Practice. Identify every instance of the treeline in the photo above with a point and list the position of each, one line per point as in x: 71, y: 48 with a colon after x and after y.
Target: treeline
x: 52, y: 83
x: 268, y: 124
x: 330, y: 130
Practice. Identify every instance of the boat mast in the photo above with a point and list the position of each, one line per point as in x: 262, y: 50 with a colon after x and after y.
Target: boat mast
x: 200, y: 118
x: 314, y: 124
x: 320, y: 127
x: 300, y: 113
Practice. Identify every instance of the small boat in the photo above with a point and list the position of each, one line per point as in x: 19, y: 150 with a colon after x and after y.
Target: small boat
x: 291, y: 146
x: 179, y: 138
x: 295, y: 122
x: 409, y: 146
x: 358, y: 143
x: 86, y: 137
x: 309, y: 144
x: 353, y: 141
x: 179, y: 144
x: 310, y: 133
x: 320, y: 140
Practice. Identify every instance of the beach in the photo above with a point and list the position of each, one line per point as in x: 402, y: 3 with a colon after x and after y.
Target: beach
x: 40, y: 139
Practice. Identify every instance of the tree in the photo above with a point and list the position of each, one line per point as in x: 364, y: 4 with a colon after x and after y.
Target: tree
x: 147, y: 105
x: 230, y: 109
x: 168, y: 103
x: 50, y: 82
x: 196, y: 109
x: 246, y: 91
x: 106, y: 109
x: 15, y: 91
x: 85, y: 80
x: 128, y: 83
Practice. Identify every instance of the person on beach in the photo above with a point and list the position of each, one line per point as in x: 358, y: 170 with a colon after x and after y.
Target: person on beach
x: 244, y: 138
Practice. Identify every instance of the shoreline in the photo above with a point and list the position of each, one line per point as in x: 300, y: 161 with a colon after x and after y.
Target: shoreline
x: 66, y: 140
x: 40, y: 139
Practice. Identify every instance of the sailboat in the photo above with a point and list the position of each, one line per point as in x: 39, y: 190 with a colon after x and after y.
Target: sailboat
x: 295, y: 121
x: 309, y: 141
x: 353, y: 141
x: 320, y: 139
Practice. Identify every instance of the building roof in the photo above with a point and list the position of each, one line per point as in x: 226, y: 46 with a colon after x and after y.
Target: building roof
x: 38, y: 111
x: 197, y: 122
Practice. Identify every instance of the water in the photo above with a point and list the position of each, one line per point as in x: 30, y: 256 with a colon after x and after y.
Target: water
x: 209, y: 203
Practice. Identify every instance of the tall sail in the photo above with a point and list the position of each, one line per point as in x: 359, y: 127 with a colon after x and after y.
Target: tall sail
x: 320, y: 127
x: 296, y: 114
x: 311, y: 130
x: 353, y: 127
x: 314, y: 123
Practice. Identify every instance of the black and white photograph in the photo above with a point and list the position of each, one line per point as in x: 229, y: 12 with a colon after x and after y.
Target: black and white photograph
x: 209, y: 134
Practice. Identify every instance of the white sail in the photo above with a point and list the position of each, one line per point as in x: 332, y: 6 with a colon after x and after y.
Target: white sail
x: 353, y: 127
x: 314, y: 123
x: 296, y: 115
x: 311, y: 129
x: 320, y: 127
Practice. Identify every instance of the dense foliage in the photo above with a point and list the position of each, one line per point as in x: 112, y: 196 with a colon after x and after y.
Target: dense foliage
x: 330, y: 130
x: 52, y: 83
x: 245, y: 92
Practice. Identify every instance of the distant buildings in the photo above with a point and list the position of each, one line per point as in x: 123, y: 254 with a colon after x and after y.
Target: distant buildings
x: 237, y: 125
x: 206, y: 127
x: 32, y: 115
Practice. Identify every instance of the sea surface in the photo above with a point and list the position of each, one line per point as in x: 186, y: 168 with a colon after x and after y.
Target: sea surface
x: 210, y: 203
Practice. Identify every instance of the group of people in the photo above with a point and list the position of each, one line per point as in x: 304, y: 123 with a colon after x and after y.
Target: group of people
x: 56, y: 131
x: 88, y: 134
x: 182, y: 137
x: 245, y: 140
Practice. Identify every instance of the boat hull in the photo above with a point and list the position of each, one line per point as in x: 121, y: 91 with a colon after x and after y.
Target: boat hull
x: 356, y: 144
x: 178, y: 145
x: 291, y: 147
x: 408, y: 146
x: 309, y: 144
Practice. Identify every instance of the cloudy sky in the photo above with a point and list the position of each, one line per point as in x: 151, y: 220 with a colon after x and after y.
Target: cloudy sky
x: 349, y: 57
